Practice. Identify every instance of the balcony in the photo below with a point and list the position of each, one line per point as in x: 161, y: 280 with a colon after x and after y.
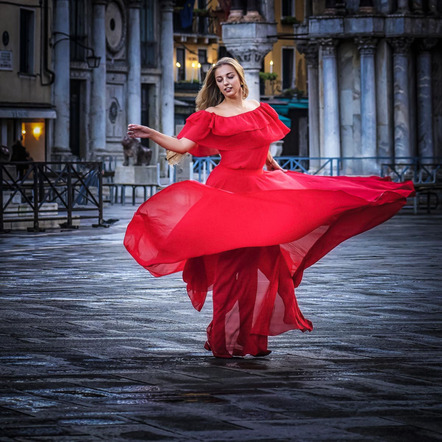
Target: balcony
x: 205, y: 27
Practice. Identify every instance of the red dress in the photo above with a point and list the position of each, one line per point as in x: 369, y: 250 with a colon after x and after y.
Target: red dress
x: 248, y: 234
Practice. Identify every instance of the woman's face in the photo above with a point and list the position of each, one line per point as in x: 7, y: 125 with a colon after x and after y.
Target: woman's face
x: 228, y: 82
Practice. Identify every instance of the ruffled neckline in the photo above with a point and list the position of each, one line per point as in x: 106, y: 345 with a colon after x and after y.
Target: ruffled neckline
x: 255, y: 119
x: 234, y: 116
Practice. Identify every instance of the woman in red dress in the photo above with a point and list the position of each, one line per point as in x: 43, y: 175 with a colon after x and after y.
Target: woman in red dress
x: 248, y: 234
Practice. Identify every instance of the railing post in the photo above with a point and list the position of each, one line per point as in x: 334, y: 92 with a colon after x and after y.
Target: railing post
x: 2, y: 227
x: 100, y: 193
x: 70, y: 196
x: 36, y: 170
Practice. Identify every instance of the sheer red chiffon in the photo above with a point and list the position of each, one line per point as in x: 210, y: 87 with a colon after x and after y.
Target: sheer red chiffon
x: 248, y: 234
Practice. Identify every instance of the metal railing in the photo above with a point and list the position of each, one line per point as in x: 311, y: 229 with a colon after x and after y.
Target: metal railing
x: 76, y: 187
x: 417, y: 169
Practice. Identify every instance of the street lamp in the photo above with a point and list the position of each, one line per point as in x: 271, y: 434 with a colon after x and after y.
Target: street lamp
x: 92, y: 60
x: 205, y: 66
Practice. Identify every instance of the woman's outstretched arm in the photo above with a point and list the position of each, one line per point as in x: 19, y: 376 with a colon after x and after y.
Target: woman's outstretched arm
x: 170, y: 143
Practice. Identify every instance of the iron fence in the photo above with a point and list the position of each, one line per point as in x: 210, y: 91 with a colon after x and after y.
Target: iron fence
x: 418, y: 169
x: 27, y: 188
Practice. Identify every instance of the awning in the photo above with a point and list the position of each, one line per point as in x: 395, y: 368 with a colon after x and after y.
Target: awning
x: 285, y: 120
x: 27, y: 112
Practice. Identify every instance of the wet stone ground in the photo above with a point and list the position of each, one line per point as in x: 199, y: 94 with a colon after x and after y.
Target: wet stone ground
x: 94, y: 348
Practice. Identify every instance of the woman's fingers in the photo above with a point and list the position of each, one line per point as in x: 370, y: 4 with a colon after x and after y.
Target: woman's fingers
x: 134, y: 130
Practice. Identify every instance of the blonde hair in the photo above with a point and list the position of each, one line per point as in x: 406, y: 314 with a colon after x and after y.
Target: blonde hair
x: 210, y: 95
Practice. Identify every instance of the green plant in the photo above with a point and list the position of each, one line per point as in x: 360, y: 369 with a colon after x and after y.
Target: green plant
x: 271, y: 76
x: 201, y: 12
x: 289, y: 93
x: 289, y: 21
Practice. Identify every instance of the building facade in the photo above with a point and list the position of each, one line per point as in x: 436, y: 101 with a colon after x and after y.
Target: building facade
x: 374, y: 79
x: 26, y: 76
x: 82, y: 70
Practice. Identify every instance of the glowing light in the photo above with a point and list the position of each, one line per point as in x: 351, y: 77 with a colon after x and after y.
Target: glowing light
x: 194, y: 65
x: 23, y: 131
x: 178, y: 64
x: 36, y: 131
x: 199, y: 65
x: 271, y: 66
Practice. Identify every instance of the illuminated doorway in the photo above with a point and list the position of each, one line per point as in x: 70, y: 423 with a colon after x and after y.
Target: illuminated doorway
x: 34, y: 135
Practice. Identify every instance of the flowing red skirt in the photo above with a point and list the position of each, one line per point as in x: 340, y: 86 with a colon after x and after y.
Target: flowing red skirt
x: 249, y: 236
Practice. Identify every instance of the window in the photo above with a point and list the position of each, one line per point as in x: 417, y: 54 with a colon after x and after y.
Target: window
x: 288, y: 77
x: 181, y: 67
x: 147, y: 35
x: 223, y: 52
x: 287, y: 9
x: 77, y: 25
x: 202, y: 60
x: 26, y: 41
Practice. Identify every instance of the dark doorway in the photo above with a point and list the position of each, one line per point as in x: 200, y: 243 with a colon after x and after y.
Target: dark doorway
x: 75, y: 118
x: 145, y: 109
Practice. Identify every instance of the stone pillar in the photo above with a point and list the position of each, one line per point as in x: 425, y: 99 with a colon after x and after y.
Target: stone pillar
x: 62, y: 81
x: 98, y: 90
x: 249, y: 43
x: 311, y: 57
x: 134, y: 63
x: 167, y: 101
x: 251, y: 61
x: 402, y: 132
x: 425, y: 101
x: 367, y: 49
x: 167, y: 80
x: 332, y: 139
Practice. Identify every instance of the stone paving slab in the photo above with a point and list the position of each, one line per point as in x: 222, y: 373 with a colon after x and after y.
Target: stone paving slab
x: 94, y: 348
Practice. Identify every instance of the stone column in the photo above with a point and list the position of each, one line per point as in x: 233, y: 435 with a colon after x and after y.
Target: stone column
x: 332, y: 139
x: 167, y: 80
x: 311, y: 56
x: 425, y: 100
x: 62, y: 81
x: 367, y: 49
x: 402, y: 133
x: 167, y: 104
x: 251, y: 61
x: 98, y: 90
x: 249, y: 43
x: 134, y: 62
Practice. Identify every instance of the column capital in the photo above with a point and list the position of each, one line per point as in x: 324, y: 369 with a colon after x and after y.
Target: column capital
x: 135, y: 4
x: 310, y: 50
x: 402, y: 7
x: 328, y: 46
x: 250, y: 57
x: 401, y: 45
x: 366, y: 45
x: 426, y: 44
x: 166, y: 5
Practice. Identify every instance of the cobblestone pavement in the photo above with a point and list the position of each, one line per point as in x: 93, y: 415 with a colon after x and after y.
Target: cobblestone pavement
x: 94, y: 348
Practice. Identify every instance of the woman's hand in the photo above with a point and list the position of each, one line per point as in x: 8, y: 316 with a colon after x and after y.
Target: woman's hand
x: 271, y: 164
x: 137, y: 131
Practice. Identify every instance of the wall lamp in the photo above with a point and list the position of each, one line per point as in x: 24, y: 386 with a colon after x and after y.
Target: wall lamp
x: 92, y: 60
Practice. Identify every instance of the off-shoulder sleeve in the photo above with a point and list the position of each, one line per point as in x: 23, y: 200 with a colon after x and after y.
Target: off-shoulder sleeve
x: 197, y: 129
x: 279, y: 128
